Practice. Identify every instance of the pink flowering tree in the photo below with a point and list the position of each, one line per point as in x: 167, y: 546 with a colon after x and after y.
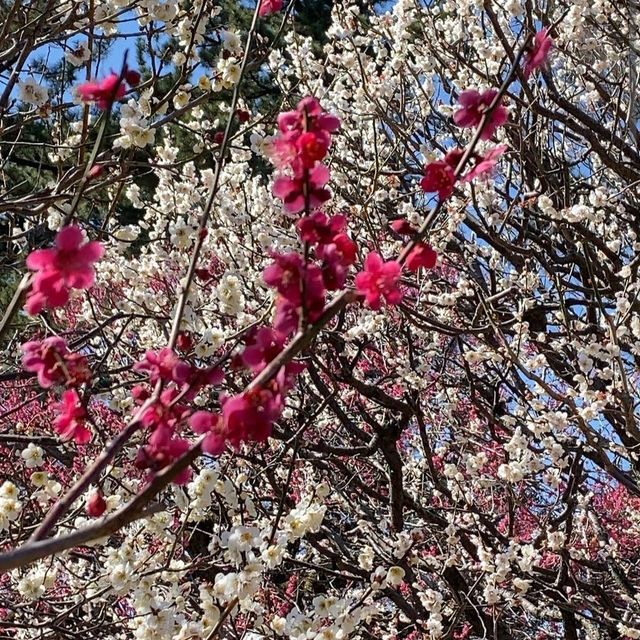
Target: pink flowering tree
x: 319, y: 340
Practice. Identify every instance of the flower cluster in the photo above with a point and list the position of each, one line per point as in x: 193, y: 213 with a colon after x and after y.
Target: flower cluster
x: 302, y: 143
x: 58, y: 270
x: 301, y: 284
x: 163, y: 417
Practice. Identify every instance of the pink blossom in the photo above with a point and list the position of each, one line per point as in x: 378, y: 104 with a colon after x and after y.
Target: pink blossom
x: 422, y: 255
x: 300, y: 150
x: 403, y: 227
x: 96, y: 504
x: 474, y: 106
x: 292, y: 190
x: 267, y: 7
x: 287, y: 273
x: 287, y: 316
x: 379, y: 281
x: 334, y: 247
x: 319, y: 228
x: 165, y: 413
x: 539, y: 54
x: 249, y: 416
x: 103, y: 92
x: 163, y: 449
x: 205, y: 422
x: 53, y: 363
x: 305, y: 136
x: 485, y: 165
x: 70, y: 423
x: 308, y: 116
x: 164, y: 365
x: 439, y: 177
x: 68, y: 265
x: 261, y: 348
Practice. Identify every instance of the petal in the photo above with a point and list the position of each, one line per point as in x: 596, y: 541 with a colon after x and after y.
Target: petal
x: 283, y: 186
x: 373, y: 261
x: 41, y: 259
x: 203, y: 421
x: 91, y: 252
x: 320, y: 175
x: 69, y: 238
x: 469, y: 98
x: 214, y: 444
x: 81, y: 278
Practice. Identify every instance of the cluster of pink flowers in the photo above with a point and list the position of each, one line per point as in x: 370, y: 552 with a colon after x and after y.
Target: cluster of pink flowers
x: 68, y: 265
x: 484, y: 109
x: 301, y: 281
x: 303, y: 142
x: 164, y: 417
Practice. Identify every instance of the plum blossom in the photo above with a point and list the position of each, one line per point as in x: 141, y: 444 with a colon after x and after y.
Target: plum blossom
x: 96, y: 504
x: 103, y: 92
x: 68, y: 265
x: 439, y: 177
x: 538, y: 56
x: 205, y: 422
x: 485, y: 165
x: 292, y: 190
x: 267, y: 7
x: 32, y: 93
x: 164, y: 365
x: 70, y: 424
x: 249, y: 416
x: 474, y: 105
x: 422, y: 255
x: 379, y: 281
x: 53, y: 363
x: 164, y: 448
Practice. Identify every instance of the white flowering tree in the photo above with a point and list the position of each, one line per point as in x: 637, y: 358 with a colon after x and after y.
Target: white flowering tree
x: 319, y: 340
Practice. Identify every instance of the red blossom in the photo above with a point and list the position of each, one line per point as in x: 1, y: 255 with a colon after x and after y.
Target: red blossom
x: 485, y: 165
x: 249, y: 416
x: 267, y: 7
x: 164, y: 365
x: 439, y: 178
x: 205, y: 422
x: 379, y: 281
x: 96, y: 504
x: 309, y: 116
x: 291, y: 190
x: 333, y: 246
x: 261, y: 348
x: 403, y: 227
x: 103, y: 92
x: 70, y: 423
x: 68, y: 265
x: 288, y: 273
x: 539, y: 54
x: 163, y: 449
x: 474, y: 106
x: 53, y: 363
x: 422, y: 255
